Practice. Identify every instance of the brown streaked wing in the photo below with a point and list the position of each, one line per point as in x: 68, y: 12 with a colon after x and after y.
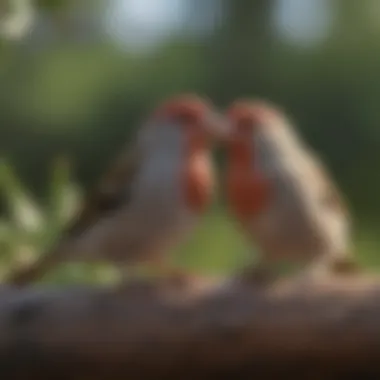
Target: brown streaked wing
x: 333, y: 197
x: 112, y: 191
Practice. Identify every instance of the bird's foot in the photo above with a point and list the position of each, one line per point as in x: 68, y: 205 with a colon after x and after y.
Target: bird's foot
x: 133, y: 281
x: 161, y: 276
x: 178, y: 277
x: 257, y: 276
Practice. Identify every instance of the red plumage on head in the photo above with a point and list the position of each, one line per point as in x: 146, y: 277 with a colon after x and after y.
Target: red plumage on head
x: 184, y: 108
x: 247, y: 114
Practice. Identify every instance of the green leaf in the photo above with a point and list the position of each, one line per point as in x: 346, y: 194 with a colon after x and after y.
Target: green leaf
x: 50, y: 4
x: 24, y: 211
x: 64, y: 194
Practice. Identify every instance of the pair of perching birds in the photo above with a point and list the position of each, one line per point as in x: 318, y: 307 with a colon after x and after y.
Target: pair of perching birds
x: 156, y: 191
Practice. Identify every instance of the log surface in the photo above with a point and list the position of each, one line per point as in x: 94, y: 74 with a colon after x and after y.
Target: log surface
x: 206, y: 329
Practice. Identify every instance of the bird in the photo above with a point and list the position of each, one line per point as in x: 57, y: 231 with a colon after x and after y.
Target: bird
x: 283, y: 197
x: 151, y: 197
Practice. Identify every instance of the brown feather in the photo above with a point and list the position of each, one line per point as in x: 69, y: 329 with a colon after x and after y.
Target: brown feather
x: 333, y: 198
x: 112, y: 191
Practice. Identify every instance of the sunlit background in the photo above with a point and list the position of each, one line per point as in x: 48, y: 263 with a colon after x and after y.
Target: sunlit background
x: 77, y: 76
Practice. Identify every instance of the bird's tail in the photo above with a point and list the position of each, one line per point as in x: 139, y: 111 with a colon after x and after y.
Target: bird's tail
x: 345, y: 266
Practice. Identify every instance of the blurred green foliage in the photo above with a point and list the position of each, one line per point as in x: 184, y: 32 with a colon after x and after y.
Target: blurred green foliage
x: 50, y: 4
x: 31, y: 227
x: 67, y: 90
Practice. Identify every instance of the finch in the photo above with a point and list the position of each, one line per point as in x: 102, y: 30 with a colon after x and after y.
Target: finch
x: 282, y: 195
x: 150, y: 199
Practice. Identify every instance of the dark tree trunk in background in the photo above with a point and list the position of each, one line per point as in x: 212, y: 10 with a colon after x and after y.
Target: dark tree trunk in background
x: 240, y: 53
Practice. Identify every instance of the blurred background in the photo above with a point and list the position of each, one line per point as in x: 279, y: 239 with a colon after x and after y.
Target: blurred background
x: 77, y: 76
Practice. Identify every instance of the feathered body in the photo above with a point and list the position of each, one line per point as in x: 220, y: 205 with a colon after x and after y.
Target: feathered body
x: 158, y: 210
x: 150, y: 199
x: 280, y: 191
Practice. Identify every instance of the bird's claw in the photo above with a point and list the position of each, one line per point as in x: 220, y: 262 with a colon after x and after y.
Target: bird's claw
x: 257, y: 276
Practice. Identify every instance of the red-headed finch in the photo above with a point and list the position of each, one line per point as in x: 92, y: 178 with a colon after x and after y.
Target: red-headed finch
x: 152, y: 196
x: 282, y: 195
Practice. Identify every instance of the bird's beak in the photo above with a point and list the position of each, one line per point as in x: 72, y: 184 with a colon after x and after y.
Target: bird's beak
x: 217, y: 128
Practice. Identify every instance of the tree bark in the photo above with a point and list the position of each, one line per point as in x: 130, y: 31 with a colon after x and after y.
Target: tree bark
x: 205, y: 329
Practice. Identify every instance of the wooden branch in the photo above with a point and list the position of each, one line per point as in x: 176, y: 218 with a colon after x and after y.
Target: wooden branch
x: 205, y: 330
